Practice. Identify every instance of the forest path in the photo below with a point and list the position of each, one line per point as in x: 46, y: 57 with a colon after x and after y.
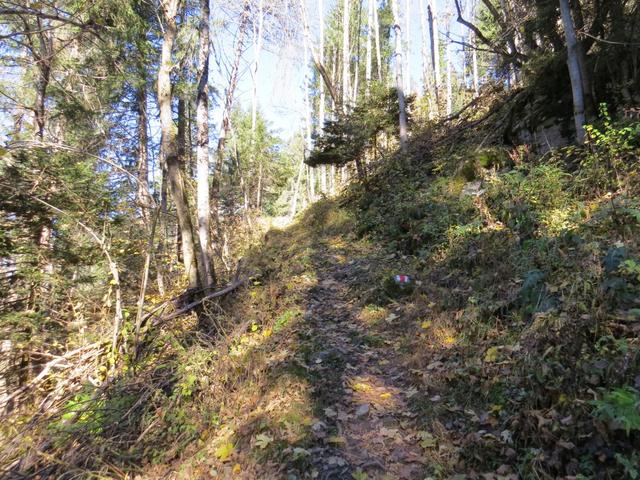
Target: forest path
x: 359, y: 380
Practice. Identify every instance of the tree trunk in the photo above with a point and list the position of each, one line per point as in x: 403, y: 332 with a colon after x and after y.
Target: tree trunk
x: 202, y: 149
x: 435, y: 48
x: 316, y: 60
x: 376, y: 38
x: 346, y: 10
x: 307, y: 117
x: 296, y: 189
x: 367, y: 74
x: 228, y: 104
x: 407, y: 49
x: 474, y: 66
x: 398, y: 63
x: 322, y: 100
x: 144, y: 197
x: 169, y: 148
x: 575, y: 74
x: 448, y: 76
x: 426, y: 78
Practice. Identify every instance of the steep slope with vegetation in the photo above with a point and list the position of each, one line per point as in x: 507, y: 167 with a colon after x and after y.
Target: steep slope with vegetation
x: 512, y: 354
x: 424, y: 276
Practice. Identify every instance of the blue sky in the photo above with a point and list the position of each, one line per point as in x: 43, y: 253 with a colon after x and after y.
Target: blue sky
x: 281, y: 73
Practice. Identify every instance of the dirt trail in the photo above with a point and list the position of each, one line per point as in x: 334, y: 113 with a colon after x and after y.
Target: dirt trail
x: 367, y: 428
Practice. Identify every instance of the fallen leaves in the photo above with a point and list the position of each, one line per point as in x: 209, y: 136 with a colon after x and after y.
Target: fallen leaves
x: 427, y: 440
x: 262, y: 441
x: 224, y: 451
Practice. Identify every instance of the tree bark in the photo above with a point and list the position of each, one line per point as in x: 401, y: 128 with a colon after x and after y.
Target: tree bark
x: 322, y: 100
x: 367, y: 74
x: 346, y: 7
x: 427, y: 84
x: 145, y: 200
x: 169, y: 148
x: 376, y: 38
x: 448, y: 76
x: 407, y: 49
x: 435, y: 49
x: 202, y: 149
x: 575, y: 73
x: 398, y: 63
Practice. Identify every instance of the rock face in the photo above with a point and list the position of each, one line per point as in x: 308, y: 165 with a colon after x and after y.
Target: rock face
x: 542, y: 117
x: 545, y: 137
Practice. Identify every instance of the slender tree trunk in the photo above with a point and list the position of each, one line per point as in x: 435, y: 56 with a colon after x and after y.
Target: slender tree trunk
x: 322, y: 100
x: 259, y: 186
x: 575, y: 74
x: 474, y: 66
x: 367, y: 74
x: 426, y: 77
x: 169, y: 148
x: 296, y: 189
x: 435, y: 48
x: 328, y: 81
x: 376, y: 38
x: 307, y: 117
x: 144, y: 197
x: 346, y: 10
x: 335, y: 114
x: 398, y: 62
x: 229, y: 93
x: 202, y: 149
x: 257, y: 50
x: 358, y: 55
x: 448, y: 76
x: 407, y: 49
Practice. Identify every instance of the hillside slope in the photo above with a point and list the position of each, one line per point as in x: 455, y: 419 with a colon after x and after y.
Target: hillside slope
x: 513, y: 352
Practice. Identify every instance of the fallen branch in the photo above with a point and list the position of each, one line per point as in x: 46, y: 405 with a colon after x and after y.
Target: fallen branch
x: 59, y: 362
x: 190, y: 306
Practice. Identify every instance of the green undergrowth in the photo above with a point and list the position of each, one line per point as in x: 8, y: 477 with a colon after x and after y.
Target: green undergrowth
x: 519, y: 334
x: 527, y: 301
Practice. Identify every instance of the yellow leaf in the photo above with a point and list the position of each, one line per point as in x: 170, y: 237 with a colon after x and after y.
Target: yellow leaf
x: 426, y: 324
x: 266, y: 333
x: 385, y: 395
x: 336, y: 439
x: 237, y: 469
x: 361, y: 387
x: 224, y: 451
x: 492, y: 354
x: 263, y: 440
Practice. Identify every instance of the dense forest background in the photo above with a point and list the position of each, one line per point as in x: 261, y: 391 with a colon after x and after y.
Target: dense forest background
x: 160, y: 237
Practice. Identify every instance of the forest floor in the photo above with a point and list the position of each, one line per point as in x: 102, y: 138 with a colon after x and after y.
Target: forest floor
x: 358, y: 379
x: 328, y: 391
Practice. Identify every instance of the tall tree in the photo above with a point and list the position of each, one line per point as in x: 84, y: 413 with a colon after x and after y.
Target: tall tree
x: 575, y: 73
x: 398, y: 63
x: 202, y: 149
x: 346, y: 10
x: 435, y: 48
x: 322, y: 100
x: 170, y: 156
